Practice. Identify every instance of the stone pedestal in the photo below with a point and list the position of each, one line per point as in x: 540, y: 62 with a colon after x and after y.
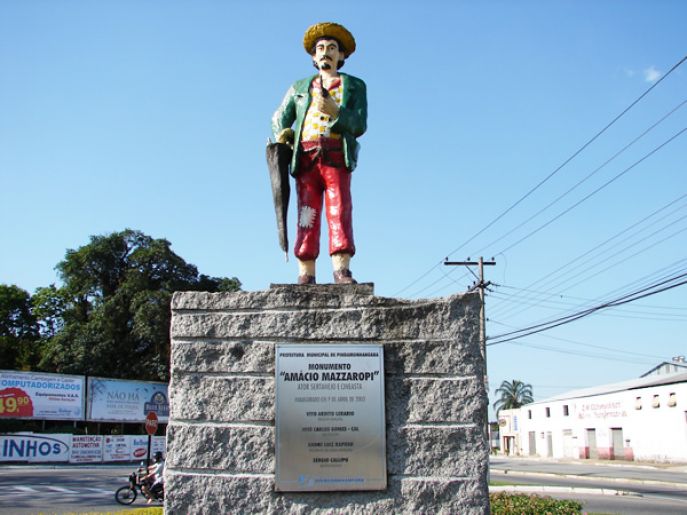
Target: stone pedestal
x: 220, y: 437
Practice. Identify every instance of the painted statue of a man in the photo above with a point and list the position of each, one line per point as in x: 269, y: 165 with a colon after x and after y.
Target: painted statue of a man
x: 322, y: 116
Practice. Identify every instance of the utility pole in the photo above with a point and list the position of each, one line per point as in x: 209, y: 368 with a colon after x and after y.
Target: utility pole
x: 480, y: 285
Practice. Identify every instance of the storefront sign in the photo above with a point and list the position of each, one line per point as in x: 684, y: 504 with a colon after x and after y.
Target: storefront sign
x: 35, y: 448
x: 114, y: 400
x: 86, y: 449
x: 41, y: 396
x: 117, y: 448
x: 602, y: 410
x: 330, y: 425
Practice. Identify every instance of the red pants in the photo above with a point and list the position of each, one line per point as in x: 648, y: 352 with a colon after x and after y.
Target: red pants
x: 323, y: 172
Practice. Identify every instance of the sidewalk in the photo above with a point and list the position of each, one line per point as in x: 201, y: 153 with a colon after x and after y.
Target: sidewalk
x: 673, y: 467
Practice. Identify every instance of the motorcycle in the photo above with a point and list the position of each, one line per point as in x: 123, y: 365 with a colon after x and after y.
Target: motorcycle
x: 127, y: 494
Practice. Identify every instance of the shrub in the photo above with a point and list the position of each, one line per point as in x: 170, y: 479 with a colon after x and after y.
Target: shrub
x: 523, y: 504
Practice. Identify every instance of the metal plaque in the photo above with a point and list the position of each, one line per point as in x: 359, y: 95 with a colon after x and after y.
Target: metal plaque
x: 330, y: 426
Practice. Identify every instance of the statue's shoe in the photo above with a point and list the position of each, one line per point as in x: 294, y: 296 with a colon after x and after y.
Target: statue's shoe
x: 344, y: 276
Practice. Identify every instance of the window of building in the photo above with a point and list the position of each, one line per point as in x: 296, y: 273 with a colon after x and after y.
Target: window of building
x: 672, y: 400
x: 529, y: 413
x: 566, y: 412
x: 638, y: 403
x: 656, y: 402
x: 548, y: 412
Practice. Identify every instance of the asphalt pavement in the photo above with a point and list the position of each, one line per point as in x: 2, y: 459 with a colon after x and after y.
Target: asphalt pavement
x: 602, y: 486
x: 674, y: 474
x: 57, y: 489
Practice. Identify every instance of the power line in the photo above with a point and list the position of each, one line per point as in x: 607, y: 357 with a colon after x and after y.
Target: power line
x: 613, y: 357
x: 576, y: 316
x: 589, y: 276
x: 445, y: 275
x: 596, y: 258
x: 625, y: 314
x: 604, y: 185
x: 548, y: 177
x: 572, y: 297
x: 520, y: 304
x: 677, y: 267
x: 591, y: 345
x: 580, y: 182
x: 625, y: 299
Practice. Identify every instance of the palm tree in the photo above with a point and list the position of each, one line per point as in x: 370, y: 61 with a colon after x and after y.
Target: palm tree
x: 512, y: 394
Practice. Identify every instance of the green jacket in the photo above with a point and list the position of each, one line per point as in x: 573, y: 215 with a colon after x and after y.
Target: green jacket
x: 351, y: 123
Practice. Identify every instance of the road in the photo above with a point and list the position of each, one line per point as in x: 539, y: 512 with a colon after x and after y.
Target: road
x: 638, y: 489
x: 63, y: 489
x: 28, y: 490
x: 594, y: 469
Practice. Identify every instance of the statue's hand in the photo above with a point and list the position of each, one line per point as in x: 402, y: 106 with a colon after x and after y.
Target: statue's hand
x: 327, y: 106
x: 285, y: 136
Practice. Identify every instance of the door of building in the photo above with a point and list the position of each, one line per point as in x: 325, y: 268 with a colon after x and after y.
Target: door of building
x: 549, y: 444
x: 618, y: 449
x: 533, y: 443
x: 591, y: 444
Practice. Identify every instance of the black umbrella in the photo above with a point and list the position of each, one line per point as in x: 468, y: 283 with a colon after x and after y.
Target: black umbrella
x: 278, y: 162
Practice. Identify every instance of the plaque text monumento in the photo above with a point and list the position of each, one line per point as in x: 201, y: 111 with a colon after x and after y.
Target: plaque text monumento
x: 330, y: 426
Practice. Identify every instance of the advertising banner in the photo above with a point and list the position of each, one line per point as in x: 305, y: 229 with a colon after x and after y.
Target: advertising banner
x: 138, y: 446
x: 41, y: 448
x: 116, y: 400
x: 158, y: 445
x: 41, y: 396
x: 86, y: 449
x: 330, y: 425
x: 116, y: 448
x: 35, y: 448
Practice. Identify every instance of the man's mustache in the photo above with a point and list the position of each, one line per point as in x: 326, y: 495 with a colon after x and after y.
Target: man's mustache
x: 326, y: 57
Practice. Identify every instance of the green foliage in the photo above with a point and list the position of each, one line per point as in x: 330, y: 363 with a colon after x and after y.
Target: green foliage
x: 111, y: 317
x: 48, y: 305
x: 157, y: 510
x: 512, y: 394
x: 522, y: 504
x: 19, y: 347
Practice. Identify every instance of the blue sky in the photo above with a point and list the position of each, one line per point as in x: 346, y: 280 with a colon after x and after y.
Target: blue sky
x: 153, y: 115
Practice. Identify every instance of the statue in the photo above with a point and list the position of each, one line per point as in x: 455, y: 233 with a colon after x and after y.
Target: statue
x: 328, y: 112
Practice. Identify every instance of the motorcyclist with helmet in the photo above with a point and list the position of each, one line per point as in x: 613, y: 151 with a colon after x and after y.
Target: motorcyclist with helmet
x: 154, y: 478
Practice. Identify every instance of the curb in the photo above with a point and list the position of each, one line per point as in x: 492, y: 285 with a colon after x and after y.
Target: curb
x: 563, y: 490
x: 589, y: 478
x: 679, y: 466
x: 72, y: 466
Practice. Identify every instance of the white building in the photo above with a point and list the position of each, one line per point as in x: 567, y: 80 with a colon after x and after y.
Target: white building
x: 675, y: 366
x: 641, y: 419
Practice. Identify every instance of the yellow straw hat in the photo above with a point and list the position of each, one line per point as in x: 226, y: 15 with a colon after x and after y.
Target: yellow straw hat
x: 331, y: 30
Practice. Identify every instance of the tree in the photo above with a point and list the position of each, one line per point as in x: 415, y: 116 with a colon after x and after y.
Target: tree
x: 48, y: 305
x: 112, y: 315
x: 19, y: 347
x: 512, y: 394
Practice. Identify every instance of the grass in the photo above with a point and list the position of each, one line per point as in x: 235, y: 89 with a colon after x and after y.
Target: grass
x: 503, y: 503
x: 153, y: 510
